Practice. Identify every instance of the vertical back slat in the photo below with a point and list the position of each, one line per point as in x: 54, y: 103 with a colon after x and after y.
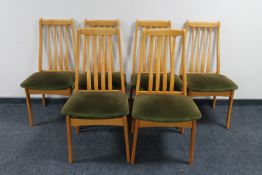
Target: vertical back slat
x: 203, y: 62
x: 94, y: 53
x: 103, y: 57
x: 110, y: 40
x: 77, y: 62
x: 121, y: 61
x: 84, y: 55
x: 55, y: 48
x: 165, y: 63
x: 140, y: 66
x: 88, y: 65
x: 61, y: 48
x: 66, y: 49
x: 135, y: 47
x: 197, y: 52
x: 40, y: 56
x: 172, y: 63
x: 150, y: 65
x: 218, y: 47
x: 209, y: 51
x: 99, y: 54
x: 183, y: 60
x: 159, y: 48
x: 49, y: 48
x: 192, y: 50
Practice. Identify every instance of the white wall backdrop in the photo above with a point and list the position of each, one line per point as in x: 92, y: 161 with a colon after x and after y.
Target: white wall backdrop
x: 241, y: 33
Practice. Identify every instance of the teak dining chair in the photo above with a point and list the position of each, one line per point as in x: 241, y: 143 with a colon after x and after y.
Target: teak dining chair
x: 162, y: 105
x: 140, y: 25
x: 201, y: 80
x: 58, y: 37
x: 99, y: 103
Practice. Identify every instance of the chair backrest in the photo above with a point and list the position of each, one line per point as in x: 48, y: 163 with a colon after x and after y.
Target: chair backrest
x: 155, y: 46
x: 101, y: 23
x: 145, y: 24
x: 98, y: 46
x: 204, y: 42
x: 59, y: 35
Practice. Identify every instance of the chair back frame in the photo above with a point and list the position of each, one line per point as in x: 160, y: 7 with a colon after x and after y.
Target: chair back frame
x: 101, y: 40
x: 159, y: 41
x: 146, y: 24
x: 102, y: 23
x: 56, y: 61
x: 200, y: 53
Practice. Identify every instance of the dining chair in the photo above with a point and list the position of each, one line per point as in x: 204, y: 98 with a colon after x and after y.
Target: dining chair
x: 99, y: 104
x: 55, y: 74
x: 161, y: 104
x: 203, y: 73
x: 141, y: 25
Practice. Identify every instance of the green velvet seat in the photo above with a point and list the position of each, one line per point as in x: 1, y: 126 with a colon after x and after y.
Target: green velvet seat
x: 165, y: 108
x: 145, y: 77
x: 96, y: 105
x: 210, y: 83
x: 116, y: 80
x: 49, y: 81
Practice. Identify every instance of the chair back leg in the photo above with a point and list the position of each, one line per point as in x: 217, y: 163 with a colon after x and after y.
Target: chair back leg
x: 69, y: 139
x: 134, y: 142
x: 126, y: 139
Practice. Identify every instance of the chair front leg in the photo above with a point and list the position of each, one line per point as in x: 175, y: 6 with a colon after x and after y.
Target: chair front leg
x: 69, y: 139
x: 192, y: 142
x: 229, y: 111
x: 134, y: 142
x: 126, y: 138
x: 29, y: 108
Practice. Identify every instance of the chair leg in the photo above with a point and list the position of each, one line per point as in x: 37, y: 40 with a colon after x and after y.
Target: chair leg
x: 29, y: 108
x: 131, y: 93
x: 182, y: 131
x: 69, y: 139
x: 132, y: 126
x: 126, y: 139
x: 134, y: 142
x: 43, y: 100
x: 77, y: 129
x: 192, y: 142
x: 229, y: 111
x: 214, y: 102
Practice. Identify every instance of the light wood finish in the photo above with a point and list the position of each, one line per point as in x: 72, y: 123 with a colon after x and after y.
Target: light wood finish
x: 230, y: 106
x: 158, y: 47
x: 52, y: 31
x: 122, y: 121
x: 92, y: 38
x: 29, y: 108
x: 155, y: 38
x: 102, y: 37
x: 61, y: 30
x: 210, y: 41
x: 141, y: 25
x: 69, y: 139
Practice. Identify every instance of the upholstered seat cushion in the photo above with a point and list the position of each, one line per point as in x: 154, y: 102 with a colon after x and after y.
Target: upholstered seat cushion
x: 210, y: 83
x: 49, y: 81
x: 116, y: 80
x: 165, y: 108
x: 96, y: 105
x: 145, y: 77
